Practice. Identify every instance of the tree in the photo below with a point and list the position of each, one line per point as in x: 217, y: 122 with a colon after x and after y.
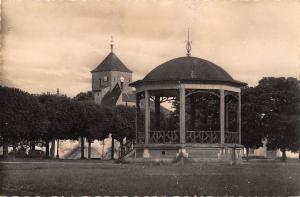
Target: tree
x: 37, y: 122
x: 252, y: 133
x: 78, y: 123
x: 122, y: 124
x: 22, y: 118
x: 64, y: 119
x: 202, y: 112
x: 72, y: 119
x: 84, y: 96
x: 279, y: 98
x: 96, y: 122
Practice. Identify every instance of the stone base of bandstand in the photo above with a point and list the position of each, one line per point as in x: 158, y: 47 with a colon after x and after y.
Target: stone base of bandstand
x: 185, y: 153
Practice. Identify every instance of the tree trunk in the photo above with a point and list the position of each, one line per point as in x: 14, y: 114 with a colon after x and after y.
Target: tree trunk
x: 32, y: 146
x: 112, y: 148
x: 52, y: 150
x: 122, y: 148
x: 247, y: 154
x: 283, y: 155
x: 103, y: 148
x: 57, y: 150
x: 47, y: 149
x: 89, y: 149
x: 5, y: 148
x: 14, y: 150
x: 82, y: 147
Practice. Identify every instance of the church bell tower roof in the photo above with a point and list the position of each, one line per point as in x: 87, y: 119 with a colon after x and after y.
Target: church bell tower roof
x: 111, y: 63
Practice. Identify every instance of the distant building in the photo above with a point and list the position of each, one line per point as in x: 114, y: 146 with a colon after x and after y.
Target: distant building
x: 110, y: 82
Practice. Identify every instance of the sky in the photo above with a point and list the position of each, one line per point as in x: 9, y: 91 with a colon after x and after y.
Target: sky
x: 50, y: 44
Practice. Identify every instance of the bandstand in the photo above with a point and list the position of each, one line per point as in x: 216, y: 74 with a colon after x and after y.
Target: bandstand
x: 206, y: 109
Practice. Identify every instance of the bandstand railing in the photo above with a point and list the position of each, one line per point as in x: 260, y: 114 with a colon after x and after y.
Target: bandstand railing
x: 203, y: 137
x: 231, y: 137
x: 164, y: 137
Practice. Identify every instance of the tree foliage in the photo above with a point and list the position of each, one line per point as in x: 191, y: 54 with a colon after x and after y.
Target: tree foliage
x: 279, y: 98
x: 84, y: 96
x: 252, y: 131
x: 123, y: 122
x: 64, y: 117
x: 22, y: 117
x: 96, y: 120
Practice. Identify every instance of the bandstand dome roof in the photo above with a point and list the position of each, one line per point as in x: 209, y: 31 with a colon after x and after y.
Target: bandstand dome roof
x: 189, y: 69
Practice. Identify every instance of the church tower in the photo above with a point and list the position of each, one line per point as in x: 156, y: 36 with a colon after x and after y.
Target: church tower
x: 110, y: 81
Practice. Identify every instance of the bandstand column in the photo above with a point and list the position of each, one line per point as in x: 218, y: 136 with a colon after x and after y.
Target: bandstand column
x: 239, y: 112
x: 147, y: 116
x: 222, y: 117
x: 182, y: 114
x: 157, y: 112
x: 137, y: 118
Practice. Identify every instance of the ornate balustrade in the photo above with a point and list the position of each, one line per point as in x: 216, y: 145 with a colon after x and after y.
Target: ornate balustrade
x: 231, y: 137
x: 164, y: 137
x: 208, y: 137
x: 202, y: 137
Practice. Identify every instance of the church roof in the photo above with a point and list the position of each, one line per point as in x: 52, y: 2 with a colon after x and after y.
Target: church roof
x: 189, y: 69
x: 111, y: 63
x: 110, y: 99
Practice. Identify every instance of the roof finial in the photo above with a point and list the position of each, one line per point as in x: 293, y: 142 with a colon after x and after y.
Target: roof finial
x: 188, y: 45
x: 111, y: 44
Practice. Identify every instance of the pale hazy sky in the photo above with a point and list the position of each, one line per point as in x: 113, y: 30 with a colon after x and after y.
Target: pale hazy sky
x: 56, y: 43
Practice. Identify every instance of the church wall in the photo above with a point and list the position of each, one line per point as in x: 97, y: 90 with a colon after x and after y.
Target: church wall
x: 100, y: 75
x: 98, y: 95
x: 112, y: 78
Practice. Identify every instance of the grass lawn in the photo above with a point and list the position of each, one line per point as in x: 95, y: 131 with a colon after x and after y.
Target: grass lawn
x: 99, y: 178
